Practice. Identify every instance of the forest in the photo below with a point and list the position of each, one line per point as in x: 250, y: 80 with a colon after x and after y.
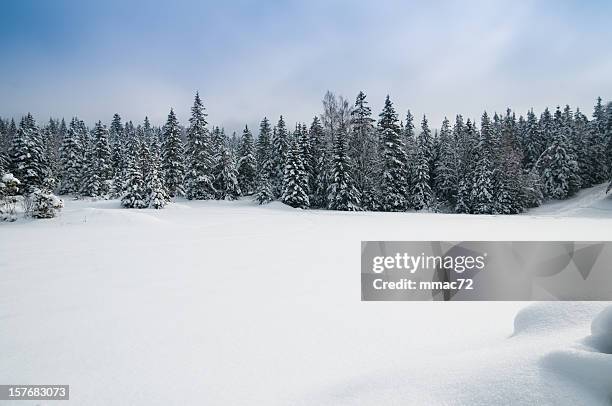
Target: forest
x: 345, y: 159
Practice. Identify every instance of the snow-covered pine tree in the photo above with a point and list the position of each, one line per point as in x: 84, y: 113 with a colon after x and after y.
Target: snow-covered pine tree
x: 226, y: 181
x: 585, y: 151
x: 26, y: 154
x: 319, y: 183
x: 482, y: 196
x: 264, y: 144
x: 362, y: 152
x: 342, y: 193
x: 447, y: 167
x: 264, y: 192
x: 135, y: 194
x: 466, y: 139
x: 509, y: 172
x: 158, y: 197
x: 172, y: 156
x: 532, y: 142
x: 51, y: 145
x: 115, y: 136
x: 98, y: 170
x: 422, y: 196
x: 558, y: 167
x: 280, y: 147
x: 394, y: 161
x: 71, y: 158
x: 247, y: 165
x: 198, y: 177
x: 295, y: 179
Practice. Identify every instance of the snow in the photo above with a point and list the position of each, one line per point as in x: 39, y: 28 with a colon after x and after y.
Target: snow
x: 231, y: 303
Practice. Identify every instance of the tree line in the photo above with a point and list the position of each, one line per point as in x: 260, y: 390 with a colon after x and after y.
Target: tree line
x: 345, y: 159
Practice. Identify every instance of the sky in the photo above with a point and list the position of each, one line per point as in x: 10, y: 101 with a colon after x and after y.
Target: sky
x: 250, y: 59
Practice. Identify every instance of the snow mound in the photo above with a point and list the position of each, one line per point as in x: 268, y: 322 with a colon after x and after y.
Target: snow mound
x: 547, y: 317
x: 601, y: 332
x: 591, y: 202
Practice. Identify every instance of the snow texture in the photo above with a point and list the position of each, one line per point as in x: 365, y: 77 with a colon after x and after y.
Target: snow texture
x: 233, y: 303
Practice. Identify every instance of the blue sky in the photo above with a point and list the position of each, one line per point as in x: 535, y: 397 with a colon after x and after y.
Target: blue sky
x: 254, y: 58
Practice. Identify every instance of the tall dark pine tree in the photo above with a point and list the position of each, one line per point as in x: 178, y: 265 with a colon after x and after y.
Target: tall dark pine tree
x: 533, y: 143
x: 394, y: 162
x: 362, y: 151
x: 264, y: 192
x: 447, y: 167
x: 98, y: 170
x: 27, y: 155
x: 134, y: 194
x: 318, y: 177
x: 558, y: 168
x: 295, y: 179
x: 199, y: 157
x: 247, y: 165
x: 226, y: 181
x: 280, y: 146
x: 482, y: 197
x: 173, y: 169
x: 422, y: 196
x: 509, y: 183
x: 264, y: 144
x: 342, y: 193
x: 71, y: 157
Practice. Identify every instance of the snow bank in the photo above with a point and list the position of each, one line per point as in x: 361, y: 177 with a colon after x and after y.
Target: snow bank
x: 234, y: 303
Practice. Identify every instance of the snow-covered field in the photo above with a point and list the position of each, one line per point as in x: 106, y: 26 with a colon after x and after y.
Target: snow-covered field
x: 230, y: 303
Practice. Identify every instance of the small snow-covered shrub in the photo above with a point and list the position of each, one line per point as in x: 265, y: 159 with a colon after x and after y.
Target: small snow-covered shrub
x: 9, y: 186
x: 43, y: 204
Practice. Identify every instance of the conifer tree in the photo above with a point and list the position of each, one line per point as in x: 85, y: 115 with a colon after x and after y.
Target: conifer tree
x: 295, y: 180
x: 98, y: 171
x: 134, y: 190
x: 319, y: 183
x: 363, y: 150
x: 509, y: 172
x: 394, y: 170
x: 27, y: 155
x: 342, y: 193
x: 199, y: 157
x: 421, y: 194
x: 172, y: 156
x: 247, y: 165
x: 447, y: 168
x: 558, y: 169
x: 157, y: 195
x: 280, y: 147
x: 71, y: 154
x: 226, y: 182
x: 482, y: 196
x: 264, y: 144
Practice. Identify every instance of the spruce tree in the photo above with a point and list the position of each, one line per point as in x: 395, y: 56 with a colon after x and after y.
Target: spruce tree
x: 280, y: 147
x: 172, y: 156
x: 157, y: 194
x: 447, y: 168
x: 71, y: 155
x: 482, y: 196
x: 319, y: 182
x: 98, y: 170
x: 421, y: 194
x: 558, y: 169
x: 264, y: 144
x: 199, y: 155
x: 295, y: 180
x: 394, y: 161
x: 226, y: 181
x: 342, y: 193
x: 247, y: 165
x: 134, y: 189
x: 27, y: 155
x: 363, y: 150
